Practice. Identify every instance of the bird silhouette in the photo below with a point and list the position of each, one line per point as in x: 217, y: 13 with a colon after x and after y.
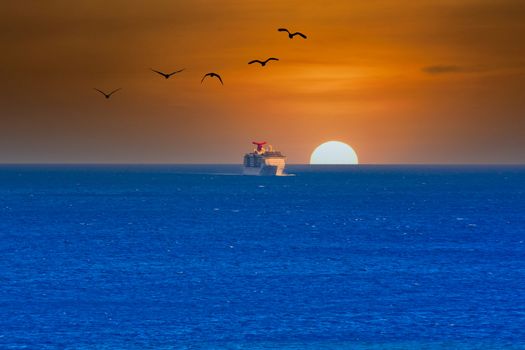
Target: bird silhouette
x: 212, y: 75
x: 108, y: 95
x: 291, y: 35
x: 167, y: 76
x: 263, y: 63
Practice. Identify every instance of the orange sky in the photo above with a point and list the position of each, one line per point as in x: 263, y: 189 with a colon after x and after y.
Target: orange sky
x: 401, y: 81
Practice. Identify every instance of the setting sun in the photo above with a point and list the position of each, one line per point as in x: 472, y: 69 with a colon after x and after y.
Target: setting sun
x: 334, y: 152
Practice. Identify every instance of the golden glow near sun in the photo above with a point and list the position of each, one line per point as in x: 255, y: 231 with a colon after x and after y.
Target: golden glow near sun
x: 334, y: 152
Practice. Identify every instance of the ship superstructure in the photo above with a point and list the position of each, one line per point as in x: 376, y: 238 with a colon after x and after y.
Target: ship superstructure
x: 264, y: 160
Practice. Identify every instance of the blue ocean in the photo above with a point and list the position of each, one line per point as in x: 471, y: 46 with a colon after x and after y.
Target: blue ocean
x: 198, y: 257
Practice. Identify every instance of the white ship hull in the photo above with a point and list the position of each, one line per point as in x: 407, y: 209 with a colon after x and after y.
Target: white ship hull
x: 270, y: 167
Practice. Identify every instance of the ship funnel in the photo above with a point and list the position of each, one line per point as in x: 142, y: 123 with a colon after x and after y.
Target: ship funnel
x: 259, y: 145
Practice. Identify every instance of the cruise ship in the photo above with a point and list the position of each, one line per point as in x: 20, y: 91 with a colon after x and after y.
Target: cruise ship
x: 264, y: 160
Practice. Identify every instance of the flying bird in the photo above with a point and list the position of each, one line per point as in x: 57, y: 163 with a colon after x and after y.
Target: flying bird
x: 212, y: 75
x: 263, y: 63
x: 167, y: 76
x: 291, y: 35
x: 108, y: 95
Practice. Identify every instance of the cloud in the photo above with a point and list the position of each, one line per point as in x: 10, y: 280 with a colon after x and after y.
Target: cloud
x: 443, y: 69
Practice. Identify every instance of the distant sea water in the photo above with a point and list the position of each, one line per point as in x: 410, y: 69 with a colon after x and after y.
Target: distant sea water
x: 196, y: 257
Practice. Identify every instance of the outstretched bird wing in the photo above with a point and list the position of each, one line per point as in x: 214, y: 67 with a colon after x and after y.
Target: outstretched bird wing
x: 158, y: 72
x: 204, y: 77
x: 178, y: 71
x: 300, y: 34
x: 219, y: 77
x: 255, y: 61
x: 112, y: 92
x: 272, y: 59
x: 283, y: 30
x: 102, y: 92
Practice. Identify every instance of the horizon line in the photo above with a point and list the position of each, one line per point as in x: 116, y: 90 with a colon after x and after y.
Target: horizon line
x: 238, y: 164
